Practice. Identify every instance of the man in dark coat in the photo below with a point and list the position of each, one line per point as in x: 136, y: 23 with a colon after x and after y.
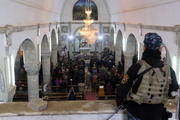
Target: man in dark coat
x: 140, y: 110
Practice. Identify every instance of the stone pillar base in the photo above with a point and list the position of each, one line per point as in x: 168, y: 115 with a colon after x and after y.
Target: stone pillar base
x: 37, y: 105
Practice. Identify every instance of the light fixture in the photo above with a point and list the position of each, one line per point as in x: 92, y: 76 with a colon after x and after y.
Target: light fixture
x: 70, y: 37
x: 100, y: 37
x: 88, y: 31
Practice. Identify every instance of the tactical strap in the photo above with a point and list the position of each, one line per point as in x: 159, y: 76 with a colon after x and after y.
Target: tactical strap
x: 138, y: 81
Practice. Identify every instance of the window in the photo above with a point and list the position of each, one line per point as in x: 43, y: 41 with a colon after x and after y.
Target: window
x: 79, y: 10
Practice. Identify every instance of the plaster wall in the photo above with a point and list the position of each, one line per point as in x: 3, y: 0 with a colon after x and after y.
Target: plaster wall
x: 28, y: 12
x: 154, y: 12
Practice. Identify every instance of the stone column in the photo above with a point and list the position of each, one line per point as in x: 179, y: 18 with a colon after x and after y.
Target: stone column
x: 8, y: 88
x: 117, y: 57
x: 141, y: 50
x: 54, y: 55
x: 112, y: 47
x: 118, y: 54
x: 178, y: 54
x: 46, y: 69
x: 101, y: 41
x: 33, y: 81
x: 128, y: 61
x: 60, y: 43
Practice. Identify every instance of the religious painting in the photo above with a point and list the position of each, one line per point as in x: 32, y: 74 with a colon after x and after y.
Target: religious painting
x: 106, y: 29
x: 64, y: 29
x: 79, y: 9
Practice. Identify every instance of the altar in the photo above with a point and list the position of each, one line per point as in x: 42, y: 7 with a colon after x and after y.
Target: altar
x: 85, y: 50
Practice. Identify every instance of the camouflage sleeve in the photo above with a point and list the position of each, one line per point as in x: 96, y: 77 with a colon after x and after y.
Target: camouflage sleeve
x: 126, y: 83
x: 174, y: 85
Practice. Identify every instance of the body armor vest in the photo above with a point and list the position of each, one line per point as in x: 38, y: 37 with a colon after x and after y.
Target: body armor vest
x: 154, y: 86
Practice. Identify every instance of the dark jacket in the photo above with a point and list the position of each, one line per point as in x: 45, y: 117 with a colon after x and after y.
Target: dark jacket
x: 144, y: 111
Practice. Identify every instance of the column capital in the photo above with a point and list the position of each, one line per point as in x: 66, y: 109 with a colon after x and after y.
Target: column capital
x: 32, y: 69
x: 124, y: 26
x: 54, y: 47
x: 177, y: 27
x: 128, y: 55
x: 140, y: 29
x: 46, y: 55
x: 8, y: 33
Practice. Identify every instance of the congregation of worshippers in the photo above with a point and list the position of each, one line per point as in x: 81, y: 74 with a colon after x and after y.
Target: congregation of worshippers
x: 90, y: 76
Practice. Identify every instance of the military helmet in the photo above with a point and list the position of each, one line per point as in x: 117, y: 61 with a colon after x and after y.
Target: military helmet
x: 152, y: 41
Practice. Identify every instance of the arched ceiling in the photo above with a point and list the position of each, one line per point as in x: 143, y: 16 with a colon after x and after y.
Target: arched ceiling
x: 122, y: 6
x: 53, y: 6
x: 24, y: 12
x: 149, y: 12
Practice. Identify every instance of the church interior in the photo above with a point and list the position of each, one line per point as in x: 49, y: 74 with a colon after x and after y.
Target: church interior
x: 72, y: 54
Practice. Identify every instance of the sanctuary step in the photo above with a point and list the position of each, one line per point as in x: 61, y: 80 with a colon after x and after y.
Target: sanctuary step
x: 90, y: 95
x: 63, y: 110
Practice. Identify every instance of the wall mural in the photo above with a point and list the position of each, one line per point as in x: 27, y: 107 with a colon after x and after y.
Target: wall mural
x: 79, y: 10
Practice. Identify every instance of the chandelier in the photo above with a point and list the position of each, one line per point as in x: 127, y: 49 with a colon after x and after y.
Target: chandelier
x: 88, y: 31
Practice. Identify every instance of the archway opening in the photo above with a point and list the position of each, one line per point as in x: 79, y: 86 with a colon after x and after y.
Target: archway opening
x: 26, y: 60
x: 80, y: 44
x: 45, y: 70
x: 20, y: 78
x: 119, y: 56
x: 54, y: 48
x: 165, y: 55
x: 131, y: 53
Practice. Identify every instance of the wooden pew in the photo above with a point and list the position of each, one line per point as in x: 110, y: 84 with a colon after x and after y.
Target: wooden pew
x: 20, y: 97
x: 61, y: 96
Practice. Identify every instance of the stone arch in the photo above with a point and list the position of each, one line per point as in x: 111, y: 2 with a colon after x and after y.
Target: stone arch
x: 106, y: 41
x: 29, y: 52
x: 45, y: 48
x: 111, y: 42
x: 119, y: 47
x: 54, y: 47
x: 31, y: 67
x: 45, y: 66
x: 60, y: 44
x: 131, y: 54
x: 79, y: 41
x: 20, y: 76
x: 76, y: 40
x: 165, y: 56
x: 53, y: 38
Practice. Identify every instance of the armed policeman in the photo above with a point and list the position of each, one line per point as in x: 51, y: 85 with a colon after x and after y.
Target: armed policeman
x: 148, y: 84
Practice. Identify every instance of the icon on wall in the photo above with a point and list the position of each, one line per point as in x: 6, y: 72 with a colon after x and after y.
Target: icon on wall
x: 64, y: 29
x: 106, y: 29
